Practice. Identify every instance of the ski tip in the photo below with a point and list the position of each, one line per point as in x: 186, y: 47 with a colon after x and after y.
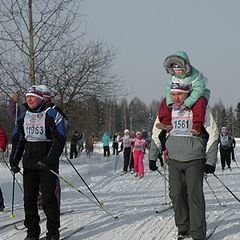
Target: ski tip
x: 116, y: 217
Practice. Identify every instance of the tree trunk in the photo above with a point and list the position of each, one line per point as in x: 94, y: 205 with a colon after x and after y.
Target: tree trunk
x: 31, y: 48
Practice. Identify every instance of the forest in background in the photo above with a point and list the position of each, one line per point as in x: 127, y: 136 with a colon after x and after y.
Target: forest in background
x: 97, y: 116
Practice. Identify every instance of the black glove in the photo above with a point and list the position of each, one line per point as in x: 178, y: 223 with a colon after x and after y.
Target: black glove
x: 209, y: 169
x: 43, y: 165
x: 15, y: 169
x: 152, y: 165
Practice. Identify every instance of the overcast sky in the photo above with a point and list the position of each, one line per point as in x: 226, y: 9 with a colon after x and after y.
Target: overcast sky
x: 145, y: 32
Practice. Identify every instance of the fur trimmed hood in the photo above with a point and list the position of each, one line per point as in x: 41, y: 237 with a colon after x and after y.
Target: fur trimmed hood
x: 180, y: 58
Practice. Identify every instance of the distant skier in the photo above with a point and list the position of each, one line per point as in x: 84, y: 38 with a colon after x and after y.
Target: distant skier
x: 225, y: 147
x: 73, y: 145
x: 89, y: 144
x: 106, y: 142
x: 115, y: 145
x: 81, y: 142
x: 127, y: 152
x: 232, y: 150
x: 138, y: 145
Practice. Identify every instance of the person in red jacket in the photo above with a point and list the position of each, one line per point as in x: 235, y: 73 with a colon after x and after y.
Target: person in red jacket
x: 3, y: 145
x: 164, y: 114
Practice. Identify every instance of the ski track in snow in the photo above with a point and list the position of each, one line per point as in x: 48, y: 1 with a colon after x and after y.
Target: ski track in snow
x: 134, y: 201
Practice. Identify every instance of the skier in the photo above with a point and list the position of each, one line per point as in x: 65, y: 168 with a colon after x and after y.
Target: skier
x: 138, y: 145
x: 225, y: 147
x: 73, y: 145
x: 89, y: 144
x: 3, y: 145
x: 21, y: 108
x: 106, y: 141
x: 127, y: 152
x: 115, y: 145
x: 188, y: 158
x: 232, y: 150
x: 184, y: 74
x: 80, y: 142
x: 39, y: 139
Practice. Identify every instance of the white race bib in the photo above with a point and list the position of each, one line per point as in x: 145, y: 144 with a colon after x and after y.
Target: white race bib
x: 34, y: 126
x: 182, y: 123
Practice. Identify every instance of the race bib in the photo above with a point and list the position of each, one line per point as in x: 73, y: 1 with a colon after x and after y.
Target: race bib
x: 34, y: 126
x: 182, y: 123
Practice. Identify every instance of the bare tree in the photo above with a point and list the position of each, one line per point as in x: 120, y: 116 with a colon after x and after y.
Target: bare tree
x: 29, y: 33
x: 82, y: 71
x: 40, y: 45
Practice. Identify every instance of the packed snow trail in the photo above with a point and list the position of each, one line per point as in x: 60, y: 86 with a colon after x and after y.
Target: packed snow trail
x: 134, y: 200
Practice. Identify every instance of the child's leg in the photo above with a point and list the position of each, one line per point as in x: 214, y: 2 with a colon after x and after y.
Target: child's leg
x: 164, y: 114
x: 199, y: 111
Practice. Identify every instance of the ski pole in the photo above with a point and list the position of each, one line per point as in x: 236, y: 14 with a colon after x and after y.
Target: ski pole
x: 100, y: 202
x: 165, y: 183
x: 12, y: 174
x: 16, y: 113
x: 116, y: 162
x: 165, y: 178
x: 78, y: 190
x: 13, y: 191
x: 226, y: 187
x: 221, y: 205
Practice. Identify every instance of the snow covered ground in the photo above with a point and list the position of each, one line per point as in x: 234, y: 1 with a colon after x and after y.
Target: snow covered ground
x: 133, y: 200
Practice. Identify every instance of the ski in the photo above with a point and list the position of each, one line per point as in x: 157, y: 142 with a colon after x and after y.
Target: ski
x: 67, y: 234
x: 11, y: 224
x: 164, y: 210
x: 70, y: 233
x: 14, y: 224
x: 212, y: 231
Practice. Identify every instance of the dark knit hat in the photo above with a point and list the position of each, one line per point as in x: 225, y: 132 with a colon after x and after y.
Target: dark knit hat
x: 178, y: 87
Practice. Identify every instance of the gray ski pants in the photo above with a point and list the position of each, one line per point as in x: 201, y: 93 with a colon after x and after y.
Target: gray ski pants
x: 186, y: 192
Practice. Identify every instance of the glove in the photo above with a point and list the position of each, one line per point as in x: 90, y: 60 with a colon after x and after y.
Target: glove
x: 15, y: 97
x: 15, y: 169
x: 43, y: 165
x: 209, y: 169
x: 165, y: 154
x: 152, y: 165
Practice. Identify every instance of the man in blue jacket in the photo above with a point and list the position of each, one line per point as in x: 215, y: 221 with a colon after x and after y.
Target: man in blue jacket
x: 38, y: 139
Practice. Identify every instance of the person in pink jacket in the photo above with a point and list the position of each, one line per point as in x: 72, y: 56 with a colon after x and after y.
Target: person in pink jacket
x: 138, y: 145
